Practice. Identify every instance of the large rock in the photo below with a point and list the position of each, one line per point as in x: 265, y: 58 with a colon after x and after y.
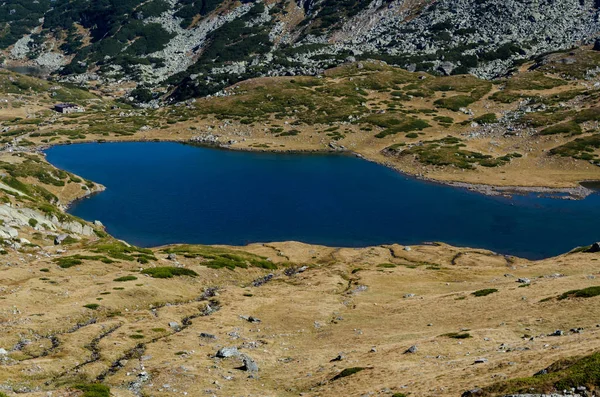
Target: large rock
x: 226, y: 352
x: 249, y: 364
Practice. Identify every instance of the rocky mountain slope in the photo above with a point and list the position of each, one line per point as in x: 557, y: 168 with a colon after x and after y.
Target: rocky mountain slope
x: 195, y: 48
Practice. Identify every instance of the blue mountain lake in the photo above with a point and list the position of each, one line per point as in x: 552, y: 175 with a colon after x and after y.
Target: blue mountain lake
x: 162, y: 193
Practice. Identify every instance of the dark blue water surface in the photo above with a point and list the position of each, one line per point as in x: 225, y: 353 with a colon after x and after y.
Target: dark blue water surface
x: 160, y: 193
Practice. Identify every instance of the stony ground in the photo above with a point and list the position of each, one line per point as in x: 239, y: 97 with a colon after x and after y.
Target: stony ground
x: 324, y: 310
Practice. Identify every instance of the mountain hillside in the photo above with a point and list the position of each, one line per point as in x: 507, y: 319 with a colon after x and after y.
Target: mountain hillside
x: 193, y: 48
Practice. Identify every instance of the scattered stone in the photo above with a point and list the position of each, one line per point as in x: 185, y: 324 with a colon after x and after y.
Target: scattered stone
x: 596, y: 246
x: 174, y: 325
x: 58, y: 240
x: 249, y: 364
x: 339, y: 357
x: 226, y: 352
x: 524, y: 280
x: 473, y: 393
x: 480, y: 361
x: 412, y: 349
x: 263, y: 280
x: 207, y: 336
x: 409, y: 295
x: 172, y: 257
x: 558, y: 332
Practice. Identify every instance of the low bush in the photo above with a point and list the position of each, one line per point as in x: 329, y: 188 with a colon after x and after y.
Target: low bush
x: 125, y: 278
x: 484, y: 292
x: 589, y: 292
x: 569, y: 127
x: 458, y: 335
x: 348, y: 372
x: 168, y: 272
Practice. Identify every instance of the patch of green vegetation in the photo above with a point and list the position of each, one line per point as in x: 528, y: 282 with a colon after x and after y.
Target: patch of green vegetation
x: 455, y: 103
x: 591, y: 114
x: 533, y: 81
x: 569, y: 127
x: 444, y: 119
x: 589, y: 292
x: 448, y: 151
x: 168, y: 272
x: 125, y: 278
x: 484, y: 292
x: 348, y: 371
x: 488, y: 118
x: 32, y: 222
x: 562, y: 375
x: 580, y: 148
x: 121, y: 251
x: 387, y: 265
x: 136, y: 336
x: 94, y: 390
x: 457, y: 335
x: 92, y: 306
x: 66, y: 262
x: 220, y: 257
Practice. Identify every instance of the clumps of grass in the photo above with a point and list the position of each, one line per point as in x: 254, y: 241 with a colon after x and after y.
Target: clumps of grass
x: 218, y: 258
x: 569, y: 128
x: 168, y: 272
x: 121, y: 251
x: 488, y: 118
x: 562, y: 375
x: 457, y: 335
x: 455, y: 102
x: 136, y: 336
x: 75, y: 260
x: 32, y: 222
x: 387, y: 265
x: 449, y: 152
x: 92, y: 306
x: 347, y: 372
x: 94, y: 390
x: 45, y: 270
x: 589, y: 292
x: 125, y: 278
x: 484, y: 292
x: 580, y: 148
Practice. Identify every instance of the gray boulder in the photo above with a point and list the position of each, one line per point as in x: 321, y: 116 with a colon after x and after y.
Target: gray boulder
x: 249, y: 364
x: 226, y: 352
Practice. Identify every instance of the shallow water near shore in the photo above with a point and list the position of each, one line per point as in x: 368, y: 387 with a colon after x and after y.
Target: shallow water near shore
x: 162, y: 193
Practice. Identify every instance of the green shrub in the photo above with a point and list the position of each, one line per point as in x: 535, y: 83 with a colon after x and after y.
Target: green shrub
x: 32, y: 222
x: 92, y: 306
x: 561, y: 375
x: 457, y: 335
x: 484, y: 292
x: 455, y: 102
x: 488, y: 118
x: 589, y: 292
x: 94, y: 390
x: 348, y: 372
x: 168, y: 272
x: 125, y: 278
x: 570, y: 127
